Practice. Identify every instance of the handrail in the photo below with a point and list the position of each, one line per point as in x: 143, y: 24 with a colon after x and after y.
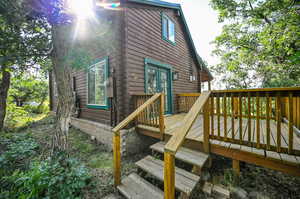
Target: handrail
x: 124, y: 123
x: 178, y: 137
x: 285, y: 89
x: 133, y: 115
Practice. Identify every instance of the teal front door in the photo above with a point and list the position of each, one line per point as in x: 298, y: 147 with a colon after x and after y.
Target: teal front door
x: 159, y: 80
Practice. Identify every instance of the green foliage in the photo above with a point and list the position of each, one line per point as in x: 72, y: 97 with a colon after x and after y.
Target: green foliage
x: 18, y: 149
x: 24, y: 176
x: 28, y: 88
x: 16, y: 116
x: 259, y: 44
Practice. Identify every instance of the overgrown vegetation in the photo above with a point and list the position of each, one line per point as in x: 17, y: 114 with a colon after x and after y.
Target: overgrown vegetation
x: 25, y: 174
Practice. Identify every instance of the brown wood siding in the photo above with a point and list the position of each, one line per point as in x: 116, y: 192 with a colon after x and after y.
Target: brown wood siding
x: 97, y: 52
x: 144, y: 40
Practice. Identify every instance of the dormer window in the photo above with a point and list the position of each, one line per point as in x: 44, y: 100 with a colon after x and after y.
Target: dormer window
x: 168, y: 29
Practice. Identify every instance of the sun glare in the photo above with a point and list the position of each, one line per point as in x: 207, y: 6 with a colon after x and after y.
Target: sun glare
x: 82, y: 8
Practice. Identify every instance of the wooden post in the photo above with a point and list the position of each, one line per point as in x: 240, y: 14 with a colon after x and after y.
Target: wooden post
x: 236, y: 166
x: 161, y: 116
x: 278, y: 118
x: 249, y: 117
x: 225, y: 115
x: 209, y: 85
x: 232, y: 116
x: 240, y: 118
x: 218, y: 116
x: 212, y: 114
x: 169, y: 175
x: 206, y: 127
x: 268, y: 121
x: 257, y: 121
x: 290, y: 117
x: 117, y: 158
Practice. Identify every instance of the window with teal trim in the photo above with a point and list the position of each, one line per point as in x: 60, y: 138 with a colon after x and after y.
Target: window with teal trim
x: 97, y: 78
x: 168, y: 29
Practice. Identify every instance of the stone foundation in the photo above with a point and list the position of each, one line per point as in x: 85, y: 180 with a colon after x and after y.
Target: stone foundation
x: 131, y: 142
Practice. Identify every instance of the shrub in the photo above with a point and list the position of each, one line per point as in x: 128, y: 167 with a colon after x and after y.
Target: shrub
x: 55, y: 177
x: 58, y: 177
x: 16, y: 115
x: 18, y: 150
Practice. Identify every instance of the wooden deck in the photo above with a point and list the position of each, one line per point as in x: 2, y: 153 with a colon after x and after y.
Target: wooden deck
x: 173, y: 122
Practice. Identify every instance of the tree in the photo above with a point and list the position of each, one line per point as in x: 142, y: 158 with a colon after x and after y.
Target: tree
x: 24, y: 41
x: 259, y: 44
x: 28, y: 88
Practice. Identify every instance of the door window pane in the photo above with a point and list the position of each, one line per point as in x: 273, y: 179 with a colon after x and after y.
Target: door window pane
x: 164, y: 87
x: 152, y: 81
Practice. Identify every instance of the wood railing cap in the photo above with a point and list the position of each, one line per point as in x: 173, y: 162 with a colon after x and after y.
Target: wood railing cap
x: 179, y: 135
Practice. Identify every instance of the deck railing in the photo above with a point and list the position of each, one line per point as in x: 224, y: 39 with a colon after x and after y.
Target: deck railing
x: 159, y: 97
x: 256, y: 109
x: 178, y: 138
x: 151, y: 115
x: 185, y: 101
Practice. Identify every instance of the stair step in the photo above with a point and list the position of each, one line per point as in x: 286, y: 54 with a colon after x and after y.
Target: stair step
x: 184, y: 180
x: 133, y: 186
x: 190, y: 156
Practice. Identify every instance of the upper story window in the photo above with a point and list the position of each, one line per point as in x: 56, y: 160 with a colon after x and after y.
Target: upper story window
x: 97, y: 79
x: 168, y: 29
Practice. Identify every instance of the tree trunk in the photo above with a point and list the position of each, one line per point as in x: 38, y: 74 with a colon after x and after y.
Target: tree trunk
x: 62, y: 42
x: 4, y: 86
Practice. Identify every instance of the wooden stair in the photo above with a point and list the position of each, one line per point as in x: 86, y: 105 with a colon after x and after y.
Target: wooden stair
x: 135, y: 187
x: 186, y: 155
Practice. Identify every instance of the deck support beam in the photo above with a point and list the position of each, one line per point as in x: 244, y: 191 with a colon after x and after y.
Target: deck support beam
x: 236, y: 166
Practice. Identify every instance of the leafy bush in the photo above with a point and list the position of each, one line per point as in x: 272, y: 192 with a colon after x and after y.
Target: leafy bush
x: 36, y: 109
x: 16, y: 115
x: 54, y: 178
x: 57, y: 177
x: 18, y: 150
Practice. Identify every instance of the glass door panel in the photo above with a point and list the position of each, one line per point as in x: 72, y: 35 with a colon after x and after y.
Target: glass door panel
x: 152, y: 81
x: 164, y: 87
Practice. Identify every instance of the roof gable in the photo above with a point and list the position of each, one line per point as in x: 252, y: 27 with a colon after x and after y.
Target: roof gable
x: 177, y: 7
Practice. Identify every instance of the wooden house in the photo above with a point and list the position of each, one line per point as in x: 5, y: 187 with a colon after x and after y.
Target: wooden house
x: 157, y: 76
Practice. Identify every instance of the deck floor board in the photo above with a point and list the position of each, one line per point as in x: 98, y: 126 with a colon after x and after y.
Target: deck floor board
x: 174, y: 122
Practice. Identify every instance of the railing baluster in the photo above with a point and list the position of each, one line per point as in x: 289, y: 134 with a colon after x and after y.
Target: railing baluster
x: 249, y: 117
x: 278, y: 118
x: 206, y: 127
x: 232, y: 116
x: 291, y: 121
x: 212, y: 114
x: 240, y: 118
x: 257, y: 121
x: 268, y: 120
x: 218, y: 115
x: 225, y: 115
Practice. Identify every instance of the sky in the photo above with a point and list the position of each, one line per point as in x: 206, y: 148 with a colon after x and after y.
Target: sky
x: 203, y: 24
